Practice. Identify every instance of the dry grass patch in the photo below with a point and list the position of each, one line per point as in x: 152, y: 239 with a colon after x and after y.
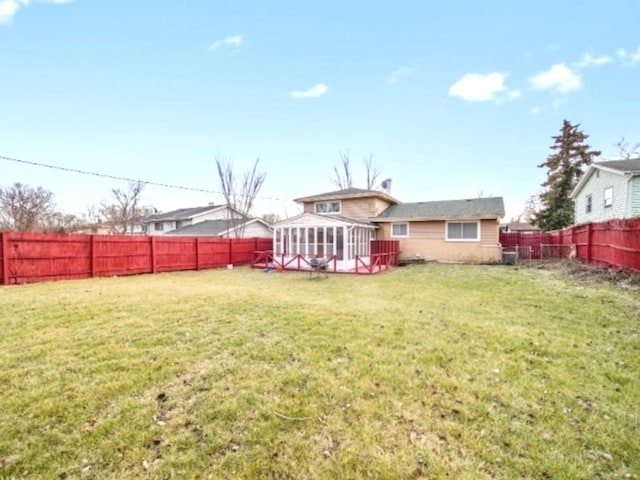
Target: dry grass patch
x: 434, y: 371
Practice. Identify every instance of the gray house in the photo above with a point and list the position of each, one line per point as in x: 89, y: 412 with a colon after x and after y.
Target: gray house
x: 608, y: 190
x: 209, y: 221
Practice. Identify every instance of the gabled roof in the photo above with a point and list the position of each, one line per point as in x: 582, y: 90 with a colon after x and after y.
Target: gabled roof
x: 313, y: 219
x: 182, y: 213
x: 629, y: 167
x: 473, y: 208
x: 214, y: 227
x: 347, y: 193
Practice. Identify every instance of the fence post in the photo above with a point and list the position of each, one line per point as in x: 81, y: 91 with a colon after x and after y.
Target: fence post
x: 92, y: 247
x: 152, y: 239
x: 230, y: 262
x: 197, y: 253
x: 4, y: 251
x: 589, y: 243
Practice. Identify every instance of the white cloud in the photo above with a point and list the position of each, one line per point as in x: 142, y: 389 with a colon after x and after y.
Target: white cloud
x: 317, y: 91
x: 475, y: 87
x: 559, y: 78
x: 9, y: 8
x: 589, y: 61
x: 231, y: 41
x: 535, y: 110
x: 630, y: 57
x: 398, y: 73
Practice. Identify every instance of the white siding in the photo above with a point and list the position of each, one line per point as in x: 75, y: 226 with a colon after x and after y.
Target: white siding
x: 595, y: 186
x: 634, y: 197
x: 256, y: 229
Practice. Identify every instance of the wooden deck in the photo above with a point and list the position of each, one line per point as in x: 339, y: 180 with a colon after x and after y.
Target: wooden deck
x: 376, y: 263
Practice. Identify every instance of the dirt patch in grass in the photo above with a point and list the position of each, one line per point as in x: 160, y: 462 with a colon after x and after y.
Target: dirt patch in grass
x: 590, y: 273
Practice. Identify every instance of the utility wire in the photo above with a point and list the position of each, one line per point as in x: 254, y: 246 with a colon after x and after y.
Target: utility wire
x: 115, y: 177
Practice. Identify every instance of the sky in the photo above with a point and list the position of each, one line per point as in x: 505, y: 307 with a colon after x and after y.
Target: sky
x: 451, y: 100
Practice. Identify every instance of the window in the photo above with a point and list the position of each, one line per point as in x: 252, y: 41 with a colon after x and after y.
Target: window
x: 158, y: 226
x: 463, y: 231
x: 608, y: 197
x: 399, y: 229
x: 589, y: 204
x: 327, y: 207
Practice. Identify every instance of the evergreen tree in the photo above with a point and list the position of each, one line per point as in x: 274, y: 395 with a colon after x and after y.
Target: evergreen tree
x: 564, y: 168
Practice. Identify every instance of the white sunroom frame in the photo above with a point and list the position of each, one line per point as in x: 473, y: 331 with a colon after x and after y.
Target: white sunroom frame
x: 338, y: 241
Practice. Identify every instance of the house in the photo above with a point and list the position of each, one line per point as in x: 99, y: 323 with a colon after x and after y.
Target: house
x: 519, y: 227
x: 450, y: 230
x: 211, y: 221
x: 341, y: 225
x: 608, y: 190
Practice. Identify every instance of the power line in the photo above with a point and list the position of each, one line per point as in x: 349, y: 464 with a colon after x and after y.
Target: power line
x: 115, y: 177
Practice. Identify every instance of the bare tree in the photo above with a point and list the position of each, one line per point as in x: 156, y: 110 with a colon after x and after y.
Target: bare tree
x: 124, y: 211
x: 23, y: 208
x: 628, y: 152
x: 239, y: 190
x: 342, y: 176
x: 61, y: 222
x: 372, y: 172
x: 531, y: 207
x: 271, y: 218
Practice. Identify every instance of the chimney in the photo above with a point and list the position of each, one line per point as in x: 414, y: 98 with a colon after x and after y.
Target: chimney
x: 386, y: 186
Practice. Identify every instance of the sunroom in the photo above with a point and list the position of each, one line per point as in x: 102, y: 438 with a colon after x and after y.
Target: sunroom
x: 344, y: 245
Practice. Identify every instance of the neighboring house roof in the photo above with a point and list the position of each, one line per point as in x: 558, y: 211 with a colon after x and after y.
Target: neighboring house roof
x: 321, y: 220
x: 492, y: 207
x: 215, y: 227
x: 347, y: 193
x: 181, y: 213
x: 629, y: 167
x: 520, y: 227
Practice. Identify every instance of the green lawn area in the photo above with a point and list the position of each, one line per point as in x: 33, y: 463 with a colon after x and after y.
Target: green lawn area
x: 434, y: 371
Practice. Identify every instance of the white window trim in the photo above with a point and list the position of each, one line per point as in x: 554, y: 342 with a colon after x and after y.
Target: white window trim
x: 446, y: 231
x: 605, y: 197
x: 588, y: 208
x: 339, y: 202
x: 400, y: 236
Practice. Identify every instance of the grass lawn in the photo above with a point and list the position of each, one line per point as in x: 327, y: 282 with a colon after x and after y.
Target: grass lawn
x: 435, y: 371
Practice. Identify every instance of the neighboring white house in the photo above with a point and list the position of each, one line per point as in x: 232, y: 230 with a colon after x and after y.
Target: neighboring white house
x: 210, y: 221
x: 608, y: 190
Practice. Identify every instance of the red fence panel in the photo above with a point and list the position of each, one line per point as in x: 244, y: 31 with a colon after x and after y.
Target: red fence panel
x: 528, y: 242
x: 37, y: 257
x: 615, y: 243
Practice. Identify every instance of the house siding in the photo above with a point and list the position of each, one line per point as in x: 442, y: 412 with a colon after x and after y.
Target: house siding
x: 634, y: 197
x: 256, y: 229
x: 427, y: 240
x: 355, y: 208
x: 595, y: 187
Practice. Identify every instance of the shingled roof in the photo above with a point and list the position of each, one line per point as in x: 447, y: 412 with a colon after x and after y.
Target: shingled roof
x: 492, y: 207
x: 626, y: 166
x: 208, y: 227
x: 347, y: 193
x: 181, y: 214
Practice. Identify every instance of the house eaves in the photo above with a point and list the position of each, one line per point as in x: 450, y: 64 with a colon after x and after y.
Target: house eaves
x: 308, y: 219
x: 349, y: 193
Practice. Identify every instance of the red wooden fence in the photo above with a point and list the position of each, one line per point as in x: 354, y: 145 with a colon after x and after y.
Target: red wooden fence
x: 615, y: 243
x: 37, y: 257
